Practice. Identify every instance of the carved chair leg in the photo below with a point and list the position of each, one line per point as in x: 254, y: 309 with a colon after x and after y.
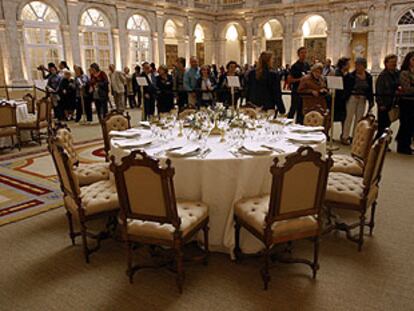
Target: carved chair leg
x: 72, y: 234
x: 372, y: 221
x: 130, y: 271
x: 265, y: 270
x: 237, y: 250
x: 179, y: 258
x: 85, y: 241
x: 361, y: 230
x: 315, y: 264
x: 206, y: 250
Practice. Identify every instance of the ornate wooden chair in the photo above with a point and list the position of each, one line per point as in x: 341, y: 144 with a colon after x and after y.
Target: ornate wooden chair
x: 291, y: 211
x: 355, y: 162
x: 30, y: 102
x: 8, y: 123
x: 39, y: 121
x: 250, y: 112
x: 186, y: 113
x: 86, y: 173
x: 114, y: 121
x: 98, y: 200
x: 150, y: 213
x: 358, y: 194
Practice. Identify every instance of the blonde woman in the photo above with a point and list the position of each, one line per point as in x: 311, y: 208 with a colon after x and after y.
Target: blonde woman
x: 263, y: 86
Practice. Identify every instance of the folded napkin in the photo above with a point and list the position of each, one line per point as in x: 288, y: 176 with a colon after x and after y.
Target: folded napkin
x: 145, y: 124
x: 127, y: 134
x: 132, y: 143
x: 306, y: 129
x: 254, y: 149
x: 186, y: 151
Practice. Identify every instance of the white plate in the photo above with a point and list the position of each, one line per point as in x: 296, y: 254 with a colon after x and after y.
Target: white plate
x: 306, y: 129
x: 254, y: 149
x: 305, y: 138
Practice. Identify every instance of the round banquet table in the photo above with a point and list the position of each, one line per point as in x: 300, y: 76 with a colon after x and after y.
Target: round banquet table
x: 21, y: 115
x: 219, y: 180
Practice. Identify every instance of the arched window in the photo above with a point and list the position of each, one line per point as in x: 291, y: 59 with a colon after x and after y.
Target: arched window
x: 96, y: 40
x: 405, y: 35
x: 139, y: 40
x: 232, y: 34
x: 42, y: 37
x: 170, y: 29
x: 314, y: 31
x: 199, y: 43
x: 273, y: 40
x: 360, y: 21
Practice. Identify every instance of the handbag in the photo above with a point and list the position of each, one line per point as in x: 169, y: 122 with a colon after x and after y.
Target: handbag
x: 394, y: 112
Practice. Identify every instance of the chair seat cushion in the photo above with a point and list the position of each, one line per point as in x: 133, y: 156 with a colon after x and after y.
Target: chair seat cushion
x: 347, y: 164
x: 190, y: 213
x: 254, y: 210
x: 8, y: 131
x: 31, y: 122
x: 96, y: 198
x: 348, y: 189
x: 91, y: 172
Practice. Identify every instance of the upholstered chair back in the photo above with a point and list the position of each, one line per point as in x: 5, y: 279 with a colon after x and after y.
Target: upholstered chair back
x: 376, y: 157
x: 364, y: 135
x: 64, y: 168
x: 314, y: 118
x: 64, y: 138
x: 114, y: 121
x: 186, y: 113
x: 42, y: 110
x: 250, y: 112
x: 30, y: 102
x: 146, y: 189
x: 298, y: 188
x: 7, y: 115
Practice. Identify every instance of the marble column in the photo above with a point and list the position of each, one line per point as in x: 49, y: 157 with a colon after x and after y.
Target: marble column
x: 160, y: 31
x: 20, y: 67
x: 116, y: 59
x: 191, y: 39
x: 249, y: 38
x: 67, y: 45
x: 155, y: 51
x: 5, y: 54
x: 123, y: 34
x: 74, y: 31
x: 288, y: 38
x: 379, y: 48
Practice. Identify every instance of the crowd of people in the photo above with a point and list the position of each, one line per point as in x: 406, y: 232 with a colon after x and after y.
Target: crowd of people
x: 260, y: 85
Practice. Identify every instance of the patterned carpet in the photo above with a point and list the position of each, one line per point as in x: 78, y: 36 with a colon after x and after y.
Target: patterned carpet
x: 28, y: 183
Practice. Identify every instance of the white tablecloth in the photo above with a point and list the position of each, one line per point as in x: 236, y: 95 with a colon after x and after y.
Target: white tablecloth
x: 21, y: 115
x: 220, y: 180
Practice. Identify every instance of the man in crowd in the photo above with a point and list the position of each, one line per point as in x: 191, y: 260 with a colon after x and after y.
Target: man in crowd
x: 150, y: 91
x: 190, y: 81
x: 179, y: 72
x: 118, y: 81
x: 328, y: 69
x: 297, y: 71
x: 135, y: 86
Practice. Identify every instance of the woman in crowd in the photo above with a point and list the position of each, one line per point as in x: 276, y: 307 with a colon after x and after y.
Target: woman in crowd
x: 135, y: 86
x: 386, y: 88
x: 406, y: 130
x: 224, y: 94
x: 83, y: 96
x: 263, y: 85
x: 53, y: 81
x: 342, y: 70
x: 205, y: 88
x: 67, y: 94
x: 313, y: 84
x: 129, y: 89
x: 100, y: 90
x: 358, y: 89
x: 164, y: 83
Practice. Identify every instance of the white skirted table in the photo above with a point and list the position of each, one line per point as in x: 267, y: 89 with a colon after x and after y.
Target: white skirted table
x: 221, y: 177
x: 22, y: 114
